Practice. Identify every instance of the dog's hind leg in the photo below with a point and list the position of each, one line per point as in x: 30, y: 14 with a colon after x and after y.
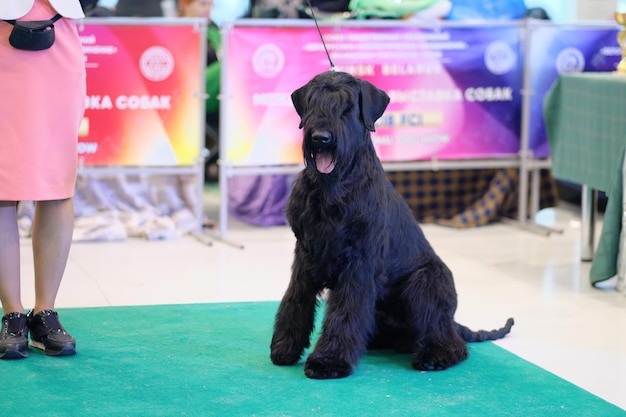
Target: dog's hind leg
x: 431, y: 302
x: 391, y: 331
x: 294, y: 320
x: 348, y: 325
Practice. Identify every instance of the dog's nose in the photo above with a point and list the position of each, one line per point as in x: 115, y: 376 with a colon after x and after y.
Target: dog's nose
x: 321, y: 137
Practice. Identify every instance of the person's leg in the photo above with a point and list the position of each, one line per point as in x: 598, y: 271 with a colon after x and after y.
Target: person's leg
x: 9, y: 259
x: 14, y: 330
x: 53, y: 226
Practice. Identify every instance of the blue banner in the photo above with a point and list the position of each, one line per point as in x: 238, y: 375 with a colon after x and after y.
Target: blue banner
x: 558, y: 49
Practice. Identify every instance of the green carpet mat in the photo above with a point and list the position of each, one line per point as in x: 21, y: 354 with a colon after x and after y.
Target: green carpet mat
x: 213, y: 360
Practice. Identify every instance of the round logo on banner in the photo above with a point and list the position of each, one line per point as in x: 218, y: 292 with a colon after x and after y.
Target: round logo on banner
x: 156, y: 63
x: 499, y: 57
x: 268, y: 61
x: 570, y: 60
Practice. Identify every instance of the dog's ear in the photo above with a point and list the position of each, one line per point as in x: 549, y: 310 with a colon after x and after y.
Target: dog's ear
x: 373, y: 103
x: 298, y: 98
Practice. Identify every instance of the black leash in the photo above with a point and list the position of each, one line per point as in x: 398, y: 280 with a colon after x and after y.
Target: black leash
x: 332, y: 66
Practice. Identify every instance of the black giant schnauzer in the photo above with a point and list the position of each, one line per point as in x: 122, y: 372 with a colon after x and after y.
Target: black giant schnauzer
x: 357, y: 238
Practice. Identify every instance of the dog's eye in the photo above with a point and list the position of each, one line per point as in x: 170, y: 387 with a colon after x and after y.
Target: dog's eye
x: 347, y: 112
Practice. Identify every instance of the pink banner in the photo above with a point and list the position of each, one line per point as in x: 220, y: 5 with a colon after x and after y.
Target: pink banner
x: 455, y: 92
x: 144, y: 94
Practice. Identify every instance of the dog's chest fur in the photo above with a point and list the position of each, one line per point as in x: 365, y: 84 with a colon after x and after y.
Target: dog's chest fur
x: 333, y: 223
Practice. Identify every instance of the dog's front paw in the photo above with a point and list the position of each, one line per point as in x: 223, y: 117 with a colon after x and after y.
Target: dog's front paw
x: 324, y: 367
x: 284, y: 354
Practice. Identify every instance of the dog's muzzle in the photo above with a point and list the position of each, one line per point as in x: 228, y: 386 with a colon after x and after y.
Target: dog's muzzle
x: 322, y: 151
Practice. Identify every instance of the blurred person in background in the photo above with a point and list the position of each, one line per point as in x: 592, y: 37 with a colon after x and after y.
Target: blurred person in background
x: 139, y: 8
x: 202, y: 9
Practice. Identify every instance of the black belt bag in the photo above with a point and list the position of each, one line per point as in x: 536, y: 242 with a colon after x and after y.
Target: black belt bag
x: 35, y: 35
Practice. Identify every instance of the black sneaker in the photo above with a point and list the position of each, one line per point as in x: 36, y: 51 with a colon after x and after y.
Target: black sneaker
x: 47, y: 334
x: 14, y: 336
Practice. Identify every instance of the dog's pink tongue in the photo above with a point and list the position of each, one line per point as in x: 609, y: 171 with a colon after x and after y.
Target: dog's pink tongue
x: 324, y: 162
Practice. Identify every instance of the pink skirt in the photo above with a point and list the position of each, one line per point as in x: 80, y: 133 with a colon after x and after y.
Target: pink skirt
x: 42, y: 98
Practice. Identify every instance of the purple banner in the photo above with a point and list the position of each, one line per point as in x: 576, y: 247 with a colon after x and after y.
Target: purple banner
x: 455, y: 91
x: 555, y: 50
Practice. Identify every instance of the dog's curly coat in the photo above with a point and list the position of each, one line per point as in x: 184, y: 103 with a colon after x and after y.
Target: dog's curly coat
x: 357, y: 237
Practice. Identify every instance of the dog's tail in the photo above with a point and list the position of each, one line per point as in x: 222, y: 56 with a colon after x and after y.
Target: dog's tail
x: 470, y: 335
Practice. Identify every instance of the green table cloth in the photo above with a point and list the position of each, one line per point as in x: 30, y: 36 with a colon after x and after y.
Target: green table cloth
x: 585, y: 116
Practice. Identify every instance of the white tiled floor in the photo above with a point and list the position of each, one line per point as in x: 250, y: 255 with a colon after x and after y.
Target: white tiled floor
x: 562, y: 323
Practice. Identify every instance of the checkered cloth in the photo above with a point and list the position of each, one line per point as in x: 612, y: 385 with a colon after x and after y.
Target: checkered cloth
x: 466, y: 198
x: 585, y: 123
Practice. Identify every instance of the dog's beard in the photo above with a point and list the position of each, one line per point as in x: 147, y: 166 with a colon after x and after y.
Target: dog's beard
x: 324, y: 162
